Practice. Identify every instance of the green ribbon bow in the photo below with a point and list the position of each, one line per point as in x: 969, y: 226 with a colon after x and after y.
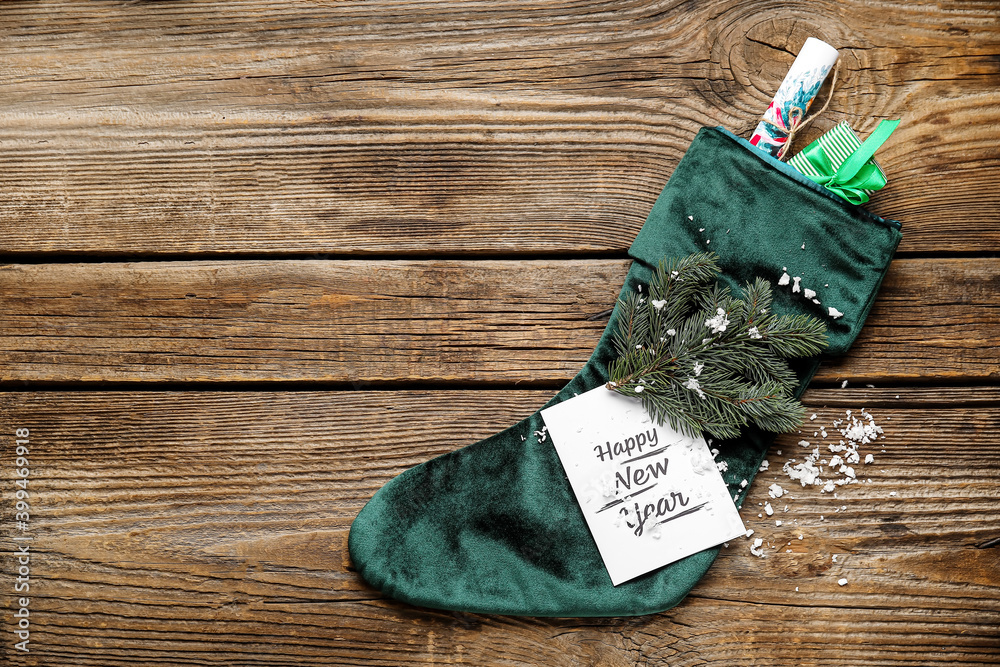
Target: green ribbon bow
x: 856, y: 174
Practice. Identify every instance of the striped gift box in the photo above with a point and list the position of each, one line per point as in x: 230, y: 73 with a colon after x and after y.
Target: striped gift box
x: 838, y: 144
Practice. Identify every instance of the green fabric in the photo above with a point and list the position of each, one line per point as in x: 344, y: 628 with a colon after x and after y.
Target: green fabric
x: 494, y: 527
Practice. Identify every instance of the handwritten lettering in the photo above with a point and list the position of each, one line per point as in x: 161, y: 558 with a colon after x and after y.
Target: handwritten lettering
x: 631, y: 444
x: 664, y: 506
x: 642, y: 475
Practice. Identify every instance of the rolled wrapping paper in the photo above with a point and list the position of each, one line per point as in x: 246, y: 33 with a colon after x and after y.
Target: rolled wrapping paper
x: 796, y: 93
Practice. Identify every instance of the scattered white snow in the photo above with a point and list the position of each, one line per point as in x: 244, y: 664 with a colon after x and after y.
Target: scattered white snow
x: 694, y: 386
x: 718, y: 323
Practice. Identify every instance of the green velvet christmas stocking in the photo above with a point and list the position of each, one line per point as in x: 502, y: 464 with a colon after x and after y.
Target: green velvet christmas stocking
x: 494, y: 527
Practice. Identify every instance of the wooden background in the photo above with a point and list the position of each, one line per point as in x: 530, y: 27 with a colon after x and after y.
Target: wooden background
x: 240, y: 237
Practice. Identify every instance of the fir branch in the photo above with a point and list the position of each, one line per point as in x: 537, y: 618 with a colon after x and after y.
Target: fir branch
x: 703, y: 359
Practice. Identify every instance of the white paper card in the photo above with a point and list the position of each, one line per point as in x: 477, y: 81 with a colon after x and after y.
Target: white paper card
x: 650, y: 495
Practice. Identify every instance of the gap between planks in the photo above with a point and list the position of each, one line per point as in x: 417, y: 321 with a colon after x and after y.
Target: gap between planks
x: 434, y: 322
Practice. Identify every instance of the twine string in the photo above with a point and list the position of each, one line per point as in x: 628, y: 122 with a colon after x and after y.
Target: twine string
x: 796, y: 122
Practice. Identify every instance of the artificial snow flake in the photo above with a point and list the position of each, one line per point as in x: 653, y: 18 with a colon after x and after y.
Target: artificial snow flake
x: 658, y: 303
x: 768, y: 509
x: 808, y: 293
x: 698, y: 368
x: 754, y: 333
x: 784, y: 279
x: 639, y: 389
x: 775, y: 491
x: 671, y: 332
x: 834, y: 313
x: 694, y: 386
x: 807, y: 473
x: 795, y: 284
x: 842, y: 582
x: 718, y: 323
x: 869, y: 459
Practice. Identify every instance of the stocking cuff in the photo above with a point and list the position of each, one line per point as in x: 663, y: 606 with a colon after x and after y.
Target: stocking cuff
x: 766, y: 219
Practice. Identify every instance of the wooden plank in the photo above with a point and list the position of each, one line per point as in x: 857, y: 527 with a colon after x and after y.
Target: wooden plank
x: 399, y: 321
x: 456, y: 127
x: 209, y: 528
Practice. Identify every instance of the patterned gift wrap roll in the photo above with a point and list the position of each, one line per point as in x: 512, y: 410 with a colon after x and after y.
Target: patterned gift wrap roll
x: 796, y: 92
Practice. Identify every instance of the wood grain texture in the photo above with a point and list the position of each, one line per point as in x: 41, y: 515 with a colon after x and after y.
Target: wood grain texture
x: 468, y: 127
x: 363, y: 182
x: 369, y: 321
x: 210, y: 527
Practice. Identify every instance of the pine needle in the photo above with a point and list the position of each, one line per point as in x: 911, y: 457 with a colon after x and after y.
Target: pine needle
x: 702, y: 359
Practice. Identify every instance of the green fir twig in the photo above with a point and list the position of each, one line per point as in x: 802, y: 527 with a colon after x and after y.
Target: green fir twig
x: 702, y: 359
